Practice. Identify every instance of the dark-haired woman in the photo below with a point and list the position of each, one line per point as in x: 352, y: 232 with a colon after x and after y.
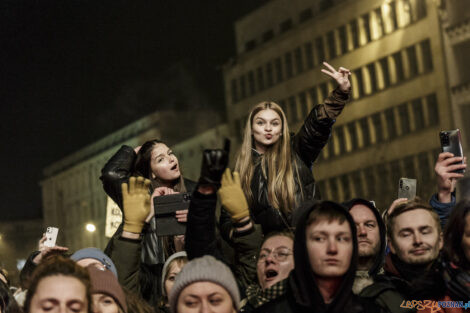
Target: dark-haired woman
x: 156, y: 161
x: 457, y: 252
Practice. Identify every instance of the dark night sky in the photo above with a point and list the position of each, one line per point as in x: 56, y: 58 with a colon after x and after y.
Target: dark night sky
x: 63, y: 63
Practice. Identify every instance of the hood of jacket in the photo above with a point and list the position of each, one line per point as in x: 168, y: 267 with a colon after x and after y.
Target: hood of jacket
x: 302, y: 279
x: 380, y: 256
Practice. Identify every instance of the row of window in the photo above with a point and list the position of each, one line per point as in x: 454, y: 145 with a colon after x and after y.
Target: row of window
x: 380, y: 182
x: 399, y: 67
x: 371, y: 26
x: 381, y: 127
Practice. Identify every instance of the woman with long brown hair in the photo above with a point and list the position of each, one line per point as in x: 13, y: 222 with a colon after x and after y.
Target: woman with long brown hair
x: 276, y: 167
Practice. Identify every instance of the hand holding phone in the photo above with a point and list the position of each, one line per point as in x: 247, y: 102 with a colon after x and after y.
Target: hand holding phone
x: 51, y: 236
x: 451, y: 142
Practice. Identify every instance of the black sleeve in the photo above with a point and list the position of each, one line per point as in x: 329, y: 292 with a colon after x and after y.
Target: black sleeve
x: 117, y: 170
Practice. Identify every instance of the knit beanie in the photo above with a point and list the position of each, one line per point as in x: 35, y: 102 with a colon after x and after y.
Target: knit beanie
x: 176, y: 255
x: 207, y: 269
x: 97, y: 254
x: 104, y: 281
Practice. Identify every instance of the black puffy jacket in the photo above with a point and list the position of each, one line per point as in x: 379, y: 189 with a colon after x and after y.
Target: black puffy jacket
x: 118, y: 170
x: 307, y: 144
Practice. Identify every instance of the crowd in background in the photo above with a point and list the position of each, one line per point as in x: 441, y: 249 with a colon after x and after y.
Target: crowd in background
x: 259, y: 238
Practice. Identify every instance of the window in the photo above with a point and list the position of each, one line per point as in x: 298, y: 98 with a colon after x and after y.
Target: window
x: 370, y: 182
x: 385, y: 71
x: 268, y: 35
x: 313, y: 95
x: 419, y: 9
x: 418, y: 113
x: 360, y: 82
x: 305, y: 15
x: 251, y: 82
x: 412, y: 61
x: 331, y: 147
x: 354, y: 33
x: 330, y: 38
x: 345, y: 184
x: 324, y: 90
x: 427, y: 55
x: 433, y: 111
x: 309, y: 55
x: 250, y: 45
x: 390, y: 119
x: 260, y: 76
x: 298, y: 60
x: 376, y: 121
x: 282, y: 104
x: 365, y: 131
x: 319, y: 50
x: 343, y: 42
x: 393, y: 14
x: 409, y: 166
x: 303, y: 105
x: 404, y: 119
x: 379, y: 23
x: 293, y: 109
x: 234, y: 89
x: 373, y: 77
x: 357, y: 182
x: 395, y: 172
x: 352, y: 135
x: 269, y: 74
x: 242, y: 87
x: 425, y: 171
x: 286, y: 25
x: 333, y: 189
x: 279, y: 72
x: 366, y: 24
x: 341, y: 140
x: 399, y: 70
x: 289, y: 67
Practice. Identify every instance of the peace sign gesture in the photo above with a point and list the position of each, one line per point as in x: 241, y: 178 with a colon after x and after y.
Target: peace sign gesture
x: 341, y: 76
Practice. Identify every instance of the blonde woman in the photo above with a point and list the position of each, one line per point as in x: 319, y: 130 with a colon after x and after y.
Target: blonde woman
x: 275, y: 166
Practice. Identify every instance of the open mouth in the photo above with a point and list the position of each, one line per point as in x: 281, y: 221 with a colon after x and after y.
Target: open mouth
x: 174, y: 167
x: 270, y: 274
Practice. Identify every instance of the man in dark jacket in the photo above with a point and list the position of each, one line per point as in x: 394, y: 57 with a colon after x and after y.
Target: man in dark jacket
x: 371, y: 236
x: 415, y: 239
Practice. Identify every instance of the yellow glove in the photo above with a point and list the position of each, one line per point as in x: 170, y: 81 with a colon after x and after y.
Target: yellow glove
x: 232, y: 196
x: 136, y: 204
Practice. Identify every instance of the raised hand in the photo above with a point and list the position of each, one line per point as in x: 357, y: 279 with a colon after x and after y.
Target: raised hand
x: 232, y: 196
x: 214, y: 162
x: 341, y: 76
x: 136, y: 204
x: 45, y: 251
x: 446, y: 164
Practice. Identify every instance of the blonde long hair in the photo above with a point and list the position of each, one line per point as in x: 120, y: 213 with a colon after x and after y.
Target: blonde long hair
x: 276, y: 163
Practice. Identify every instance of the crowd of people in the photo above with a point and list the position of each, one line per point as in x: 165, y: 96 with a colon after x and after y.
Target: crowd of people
x: 259, y: 238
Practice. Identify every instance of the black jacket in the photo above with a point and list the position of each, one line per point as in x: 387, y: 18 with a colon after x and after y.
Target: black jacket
x: 307, y: 144
x: 118, y: 170
x: 303, y: 294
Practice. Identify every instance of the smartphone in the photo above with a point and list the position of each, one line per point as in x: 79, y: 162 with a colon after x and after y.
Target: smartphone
x: 451, y: 142
x: 51, y: 236
x: 407, y: 188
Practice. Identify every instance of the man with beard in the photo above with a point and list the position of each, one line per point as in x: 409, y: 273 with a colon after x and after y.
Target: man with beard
x: 371, y: 234
x: 412, y: 266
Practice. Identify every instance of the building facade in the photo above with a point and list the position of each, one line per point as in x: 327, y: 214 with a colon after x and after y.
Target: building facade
x: 401, y: 97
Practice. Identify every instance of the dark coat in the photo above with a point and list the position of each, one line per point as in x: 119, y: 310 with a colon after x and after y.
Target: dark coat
x: 118, y: 170
x: 307, y: 144
x: 303, y: 294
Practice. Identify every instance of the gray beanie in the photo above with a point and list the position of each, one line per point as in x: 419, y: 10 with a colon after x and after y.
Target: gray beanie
x: 97, y: 254
x: 181, y: 254
x: 206, y: 268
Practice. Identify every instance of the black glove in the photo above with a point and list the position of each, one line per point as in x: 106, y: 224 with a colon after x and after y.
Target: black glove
x: 214, y: 162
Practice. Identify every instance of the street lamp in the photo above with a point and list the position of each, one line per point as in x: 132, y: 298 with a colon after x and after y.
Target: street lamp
x: 90, y: 227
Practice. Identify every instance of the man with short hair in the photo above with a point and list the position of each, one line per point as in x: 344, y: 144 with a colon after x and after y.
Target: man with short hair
x: 371, y: 234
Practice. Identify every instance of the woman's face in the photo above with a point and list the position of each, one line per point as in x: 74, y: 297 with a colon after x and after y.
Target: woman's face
x: 466, y: 238
x: 175, y: 268
x: 266, y: 129
x: 164, y: 163
x: 103, y: 303
x: 205, y: 297
x: 59, y: 293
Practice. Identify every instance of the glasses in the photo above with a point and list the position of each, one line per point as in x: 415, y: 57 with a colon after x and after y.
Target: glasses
x: 279, y: 254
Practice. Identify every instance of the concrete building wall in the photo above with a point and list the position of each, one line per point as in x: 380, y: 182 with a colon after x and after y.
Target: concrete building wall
x: 400, y: 97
